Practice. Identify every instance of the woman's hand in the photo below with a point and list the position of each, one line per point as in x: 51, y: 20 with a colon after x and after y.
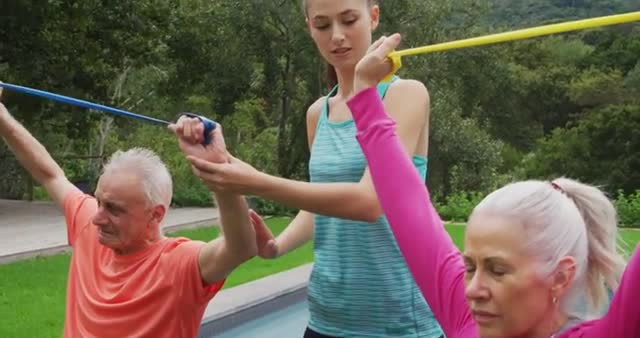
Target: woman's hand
x: 375, y: 65
x: 233, y: 176
x: 267, y: 245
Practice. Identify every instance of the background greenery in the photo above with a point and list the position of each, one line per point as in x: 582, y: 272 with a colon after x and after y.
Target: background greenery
x: 540, y: 108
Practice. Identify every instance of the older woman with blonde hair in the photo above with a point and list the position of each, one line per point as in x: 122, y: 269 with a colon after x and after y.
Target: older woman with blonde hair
x: 535, y: 251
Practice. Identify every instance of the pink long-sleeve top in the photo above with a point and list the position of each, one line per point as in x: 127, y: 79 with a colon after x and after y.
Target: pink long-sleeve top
x: 429, y: 252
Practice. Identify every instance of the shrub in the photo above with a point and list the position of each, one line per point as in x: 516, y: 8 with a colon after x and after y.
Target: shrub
x: 628, y: 208
x: 458, y: 206
x: 270, y: 208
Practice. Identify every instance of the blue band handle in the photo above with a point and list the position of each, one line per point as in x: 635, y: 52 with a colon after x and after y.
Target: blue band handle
x: 209, y: 126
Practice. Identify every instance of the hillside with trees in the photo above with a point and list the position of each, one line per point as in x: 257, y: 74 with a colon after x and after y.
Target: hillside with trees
x: 561, y: 105
x: 536, y: 12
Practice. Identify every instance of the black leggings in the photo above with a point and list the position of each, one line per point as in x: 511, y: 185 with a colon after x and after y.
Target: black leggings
x: 313, y: 334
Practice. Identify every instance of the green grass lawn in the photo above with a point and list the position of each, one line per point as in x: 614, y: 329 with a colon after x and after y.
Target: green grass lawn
x: 629, y: 240
x: 32, y: 292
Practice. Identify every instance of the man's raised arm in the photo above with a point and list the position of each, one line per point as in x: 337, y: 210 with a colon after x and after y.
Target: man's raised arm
x: 33, y: 156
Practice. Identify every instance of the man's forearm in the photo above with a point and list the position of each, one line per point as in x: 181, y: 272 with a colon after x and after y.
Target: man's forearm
x: 238, y: 232
x: 31, y: 154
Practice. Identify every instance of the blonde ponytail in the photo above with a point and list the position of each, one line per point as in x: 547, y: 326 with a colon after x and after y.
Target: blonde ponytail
x: 604, y: 263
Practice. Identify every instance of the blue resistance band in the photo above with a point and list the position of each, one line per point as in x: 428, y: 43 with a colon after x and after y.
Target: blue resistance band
x: 209, y: 125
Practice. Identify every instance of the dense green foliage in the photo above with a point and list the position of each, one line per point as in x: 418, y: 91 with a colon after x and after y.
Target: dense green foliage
x: 535, y: 12
x: 457, y: 207
x: 562, y: 105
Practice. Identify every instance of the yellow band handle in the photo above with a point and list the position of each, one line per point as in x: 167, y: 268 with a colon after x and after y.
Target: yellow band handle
x: 513, y: 35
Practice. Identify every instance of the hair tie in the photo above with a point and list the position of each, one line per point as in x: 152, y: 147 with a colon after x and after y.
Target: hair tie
x: 557, y: 187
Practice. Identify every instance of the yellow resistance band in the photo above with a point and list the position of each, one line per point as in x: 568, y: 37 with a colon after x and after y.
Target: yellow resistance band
x: 513, y: 35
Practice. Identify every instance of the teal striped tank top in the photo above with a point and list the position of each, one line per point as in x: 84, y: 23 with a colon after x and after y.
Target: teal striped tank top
x: 360, y: 285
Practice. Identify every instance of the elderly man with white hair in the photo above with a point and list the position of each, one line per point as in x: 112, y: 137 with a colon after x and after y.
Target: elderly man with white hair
x: 125, y: 278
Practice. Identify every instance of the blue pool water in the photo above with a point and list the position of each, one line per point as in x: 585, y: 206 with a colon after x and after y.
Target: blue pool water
x: 289, y: 322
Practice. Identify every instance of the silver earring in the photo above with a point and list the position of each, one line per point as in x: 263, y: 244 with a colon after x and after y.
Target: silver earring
x: 554, y: 300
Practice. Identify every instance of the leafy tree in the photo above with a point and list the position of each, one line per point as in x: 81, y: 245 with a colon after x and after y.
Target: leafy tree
x: 462, y: 156
x: 602, y: 149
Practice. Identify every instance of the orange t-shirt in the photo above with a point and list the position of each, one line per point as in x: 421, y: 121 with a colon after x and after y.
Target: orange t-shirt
x: 155, y: 292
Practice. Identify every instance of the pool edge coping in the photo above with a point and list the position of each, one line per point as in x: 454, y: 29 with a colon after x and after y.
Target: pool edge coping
x: 287, y: 286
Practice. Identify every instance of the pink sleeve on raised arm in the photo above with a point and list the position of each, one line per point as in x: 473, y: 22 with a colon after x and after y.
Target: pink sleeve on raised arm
x: 430, y: 254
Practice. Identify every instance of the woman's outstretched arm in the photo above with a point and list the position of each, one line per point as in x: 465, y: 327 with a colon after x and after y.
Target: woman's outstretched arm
x: 428, y: 250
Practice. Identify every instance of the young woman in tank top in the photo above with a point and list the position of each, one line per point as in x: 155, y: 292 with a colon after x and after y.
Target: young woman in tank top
x: 360, y: 285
